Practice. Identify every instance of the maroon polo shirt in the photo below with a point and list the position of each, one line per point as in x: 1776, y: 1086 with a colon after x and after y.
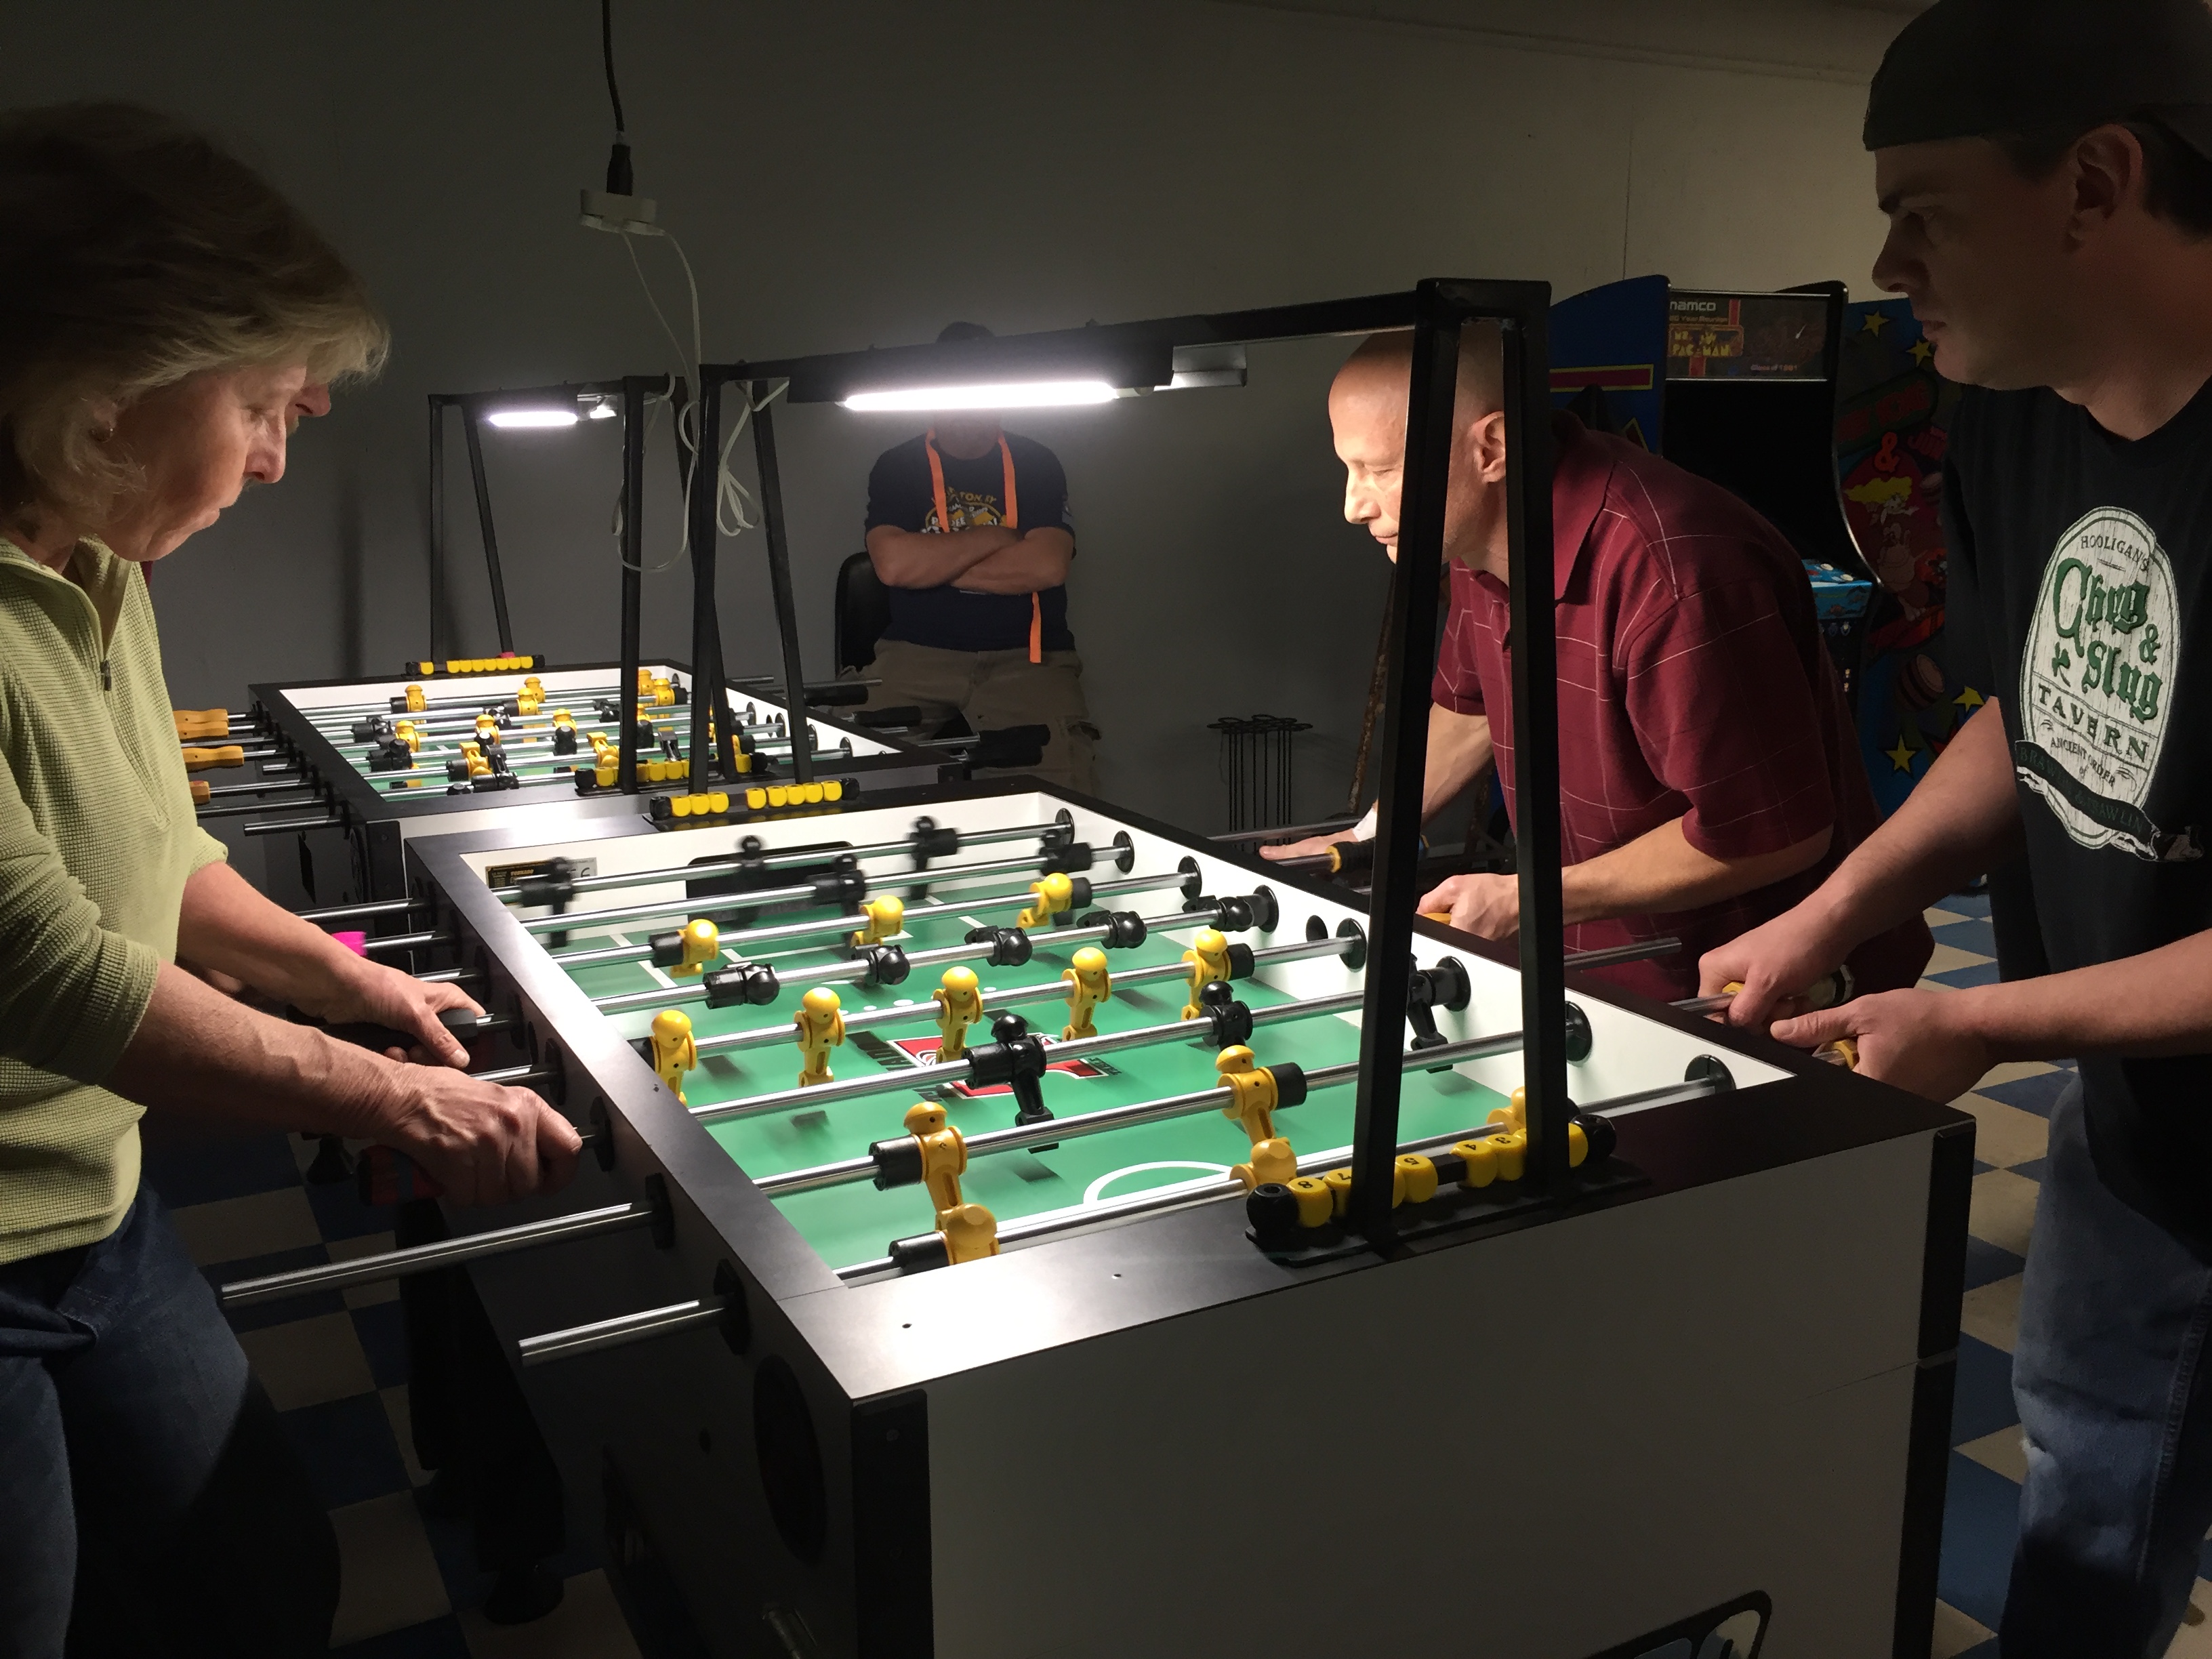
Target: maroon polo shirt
x: 1693, y: 684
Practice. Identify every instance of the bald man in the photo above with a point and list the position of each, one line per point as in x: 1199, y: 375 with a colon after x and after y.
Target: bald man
x: 1709, y: 772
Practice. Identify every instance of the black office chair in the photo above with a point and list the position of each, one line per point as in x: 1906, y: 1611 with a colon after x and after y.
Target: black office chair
x: 863, y: 612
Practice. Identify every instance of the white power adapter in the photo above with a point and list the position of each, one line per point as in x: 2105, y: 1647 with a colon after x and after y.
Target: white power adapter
x: 621, y: 215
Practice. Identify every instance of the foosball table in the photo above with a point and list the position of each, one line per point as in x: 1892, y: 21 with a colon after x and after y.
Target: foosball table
x: 961, y: 1263
x: 354, y: 767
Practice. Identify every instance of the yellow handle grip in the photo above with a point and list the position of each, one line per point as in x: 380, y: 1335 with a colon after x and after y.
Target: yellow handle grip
x: 201, y: 794
x: 201, y: 722
x: 230, y: 754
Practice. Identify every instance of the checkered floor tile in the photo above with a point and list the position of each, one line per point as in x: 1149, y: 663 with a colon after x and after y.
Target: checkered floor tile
x: 335, y: 1366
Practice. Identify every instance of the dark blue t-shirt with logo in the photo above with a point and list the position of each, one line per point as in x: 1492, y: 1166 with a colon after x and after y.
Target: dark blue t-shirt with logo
x: 2080, y: 598
x: 952, y: 618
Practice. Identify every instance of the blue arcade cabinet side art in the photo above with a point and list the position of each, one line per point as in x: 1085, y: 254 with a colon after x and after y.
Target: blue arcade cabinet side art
x: 1739, y: 388
x: 1892, y: 423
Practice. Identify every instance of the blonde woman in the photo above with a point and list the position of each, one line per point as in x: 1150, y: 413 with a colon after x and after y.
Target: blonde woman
x: 165, y: 320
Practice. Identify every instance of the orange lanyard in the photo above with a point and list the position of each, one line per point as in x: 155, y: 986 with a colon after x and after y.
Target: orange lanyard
x: 1012, y: 522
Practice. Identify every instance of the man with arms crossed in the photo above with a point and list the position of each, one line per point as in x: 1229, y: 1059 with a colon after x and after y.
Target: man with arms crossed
x: 2046, y: 168
x: 968, y: 531
x: 1708, y: 769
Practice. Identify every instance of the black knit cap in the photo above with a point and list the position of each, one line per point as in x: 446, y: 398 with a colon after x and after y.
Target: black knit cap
x: 1966, y: 68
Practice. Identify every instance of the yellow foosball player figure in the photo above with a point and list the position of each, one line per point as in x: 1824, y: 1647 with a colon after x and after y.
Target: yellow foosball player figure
x: 1208, y: 957
x: 821, y: 1028
x: 1252, y: 1100
x: 885, y: 918
x: 702, y: 948
x: 959, y: 1000
x: 1054, y: 895
x: 1090, y: 983
x: 970, y: 1231
x: 673, y: 1052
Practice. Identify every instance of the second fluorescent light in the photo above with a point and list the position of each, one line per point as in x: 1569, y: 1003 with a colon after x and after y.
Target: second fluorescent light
x: 532, y: 417
x: 1022, y: 394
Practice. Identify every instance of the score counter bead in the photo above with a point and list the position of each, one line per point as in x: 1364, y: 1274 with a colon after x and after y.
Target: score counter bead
x: 1316, y: 1206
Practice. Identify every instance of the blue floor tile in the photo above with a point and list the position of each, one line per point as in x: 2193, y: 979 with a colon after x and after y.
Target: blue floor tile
x: 1981, y: 1518
x: 2032, y: 1168
x: 2037, y: 1094
x: 1973, y: 934
x: 1965, y: 904
x: 1981, y: 1651
x: 1960, y: 979
x: 384, y: 1339
x: 1987, y: 1263
x: 1981, y: 1168
x: 200, y: 1170
x: 440, y: 1638
x: 1982, y: 1403
x: 347, y: 1448
x: 260, y: 1314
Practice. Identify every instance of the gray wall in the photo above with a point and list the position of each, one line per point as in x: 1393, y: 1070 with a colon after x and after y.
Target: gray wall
x: 849, y: 173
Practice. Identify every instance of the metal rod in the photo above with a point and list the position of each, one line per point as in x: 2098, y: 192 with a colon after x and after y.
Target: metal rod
x: 1642, y: 949
x: 239, y: 809
x: 429, y: 1258
x: 1045, y: 991
x: 775, y: 861
x: 1073, y: 1127
x: 280, y: 827
x: 618, y: 1332
x: 1057, y: 1053
x: 779, y: 562
x: 347, y: 912
x: 469, y: 426
x: 1287, y: 830
x: 406, y: 941
x: 947, y: 875
x: 1210, y: 1188
x: 633, y: 577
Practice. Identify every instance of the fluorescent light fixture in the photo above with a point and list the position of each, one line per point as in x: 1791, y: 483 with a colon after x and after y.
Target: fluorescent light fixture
x: 602, y: 410
x: 1022, y: 394
x: 532, y: 417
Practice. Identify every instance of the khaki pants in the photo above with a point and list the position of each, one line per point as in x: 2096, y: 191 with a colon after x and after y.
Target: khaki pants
x: 993, y: 690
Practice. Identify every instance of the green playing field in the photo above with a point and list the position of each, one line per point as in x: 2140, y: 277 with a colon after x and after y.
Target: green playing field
x: 856, y: 1222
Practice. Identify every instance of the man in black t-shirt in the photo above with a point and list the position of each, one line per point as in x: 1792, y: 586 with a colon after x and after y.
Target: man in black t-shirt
x: 2046, y: 168
x: 968, y: 529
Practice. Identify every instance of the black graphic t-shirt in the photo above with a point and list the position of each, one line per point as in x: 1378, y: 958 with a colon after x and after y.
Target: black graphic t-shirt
x: 2081, y: 596
x: 952, y: 618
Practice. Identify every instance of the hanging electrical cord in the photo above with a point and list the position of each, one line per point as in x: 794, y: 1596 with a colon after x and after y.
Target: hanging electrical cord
x: 624, y: 214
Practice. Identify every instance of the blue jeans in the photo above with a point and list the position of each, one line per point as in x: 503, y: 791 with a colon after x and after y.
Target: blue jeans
x: 148, y: 1502
x: 2115, y: 1404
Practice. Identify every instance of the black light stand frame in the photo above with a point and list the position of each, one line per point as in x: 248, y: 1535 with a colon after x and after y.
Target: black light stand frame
x: 1188, y: 351
x: 633, y: 391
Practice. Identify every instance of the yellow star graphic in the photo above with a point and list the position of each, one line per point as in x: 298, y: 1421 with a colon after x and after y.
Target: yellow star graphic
x: 1900, y: 756
x: 1875, y: 322
x: 1920, y: 351
x: 1970, y: 698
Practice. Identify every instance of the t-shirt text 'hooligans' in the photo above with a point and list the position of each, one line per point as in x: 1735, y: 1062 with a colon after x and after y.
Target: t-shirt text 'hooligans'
x: 902, y: 495
x: 2080, y: 594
